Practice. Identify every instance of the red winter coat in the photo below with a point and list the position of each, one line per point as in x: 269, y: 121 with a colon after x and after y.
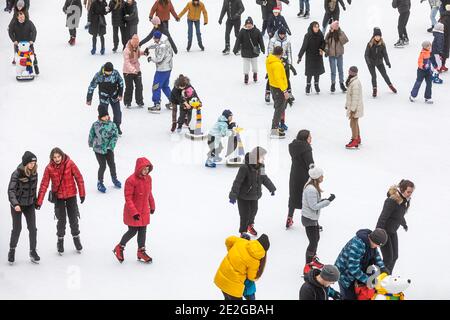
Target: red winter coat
x: 138, y: 196
x: 68, y: 188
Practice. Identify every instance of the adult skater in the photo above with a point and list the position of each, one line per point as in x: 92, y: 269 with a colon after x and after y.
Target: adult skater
x: 233, y: 9
x: 132, y: 72
x: 267, y: 7
x: 177, y: 99
x: 279, y: 89
x: 332, y: 12
x: 158, y: 26
x: 304, y: 9
x: 375, y: 54
x: 22, y: 29
x: 72, y: 20
x: 312, y: 203
x: 354, y: 106
x: 250, y: 43
x: 445, y: 20
x: 245, y: 260
x: 246, y: 190
x: 139, y: 205
x: 392, y: 217
x: 163, y: 58
x: 403, y: 7
x: 131, y: 17
x: 357, y: 255
x: 302, y: 159
x: 102, y: 139
x: 195, y: 9
x: 97, y: 24
x: 317, y: 285
x: 22, y: 198
x: 118, y: 23
x: 163, y: 9
x: 66, y: 181
x: 335, y: 41
x: 314, y: 46
x: 434, y: 6
x: 110, y: 91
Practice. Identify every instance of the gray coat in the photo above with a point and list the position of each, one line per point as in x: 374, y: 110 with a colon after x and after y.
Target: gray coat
x: 312, y: 203
x: 163, y: 55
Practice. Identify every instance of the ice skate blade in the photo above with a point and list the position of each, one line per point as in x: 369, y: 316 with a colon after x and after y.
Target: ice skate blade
x: 34, y: 261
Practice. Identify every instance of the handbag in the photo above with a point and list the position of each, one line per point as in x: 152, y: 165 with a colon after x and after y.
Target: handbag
x: 256, y: 50
x: 53, y: 196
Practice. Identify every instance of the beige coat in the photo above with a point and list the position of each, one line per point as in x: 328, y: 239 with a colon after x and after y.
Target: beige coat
x: 354, y: 102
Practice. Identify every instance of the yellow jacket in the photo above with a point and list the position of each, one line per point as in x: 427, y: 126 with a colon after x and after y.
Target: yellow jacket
x: 242, y: 262
x: 194, y: 11
x: 276, y: 73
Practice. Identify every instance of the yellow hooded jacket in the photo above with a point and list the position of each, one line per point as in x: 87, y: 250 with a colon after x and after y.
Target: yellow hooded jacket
x: 241, y: 263
x: 276, y: 73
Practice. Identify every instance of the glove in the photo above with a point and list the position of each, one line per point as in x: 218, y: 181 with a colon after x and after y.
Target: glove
x: 337, y: 296
x: 177, y: 19
x: 389, y: 65
x: 220, y: 21
x: 146, y: 52
x: 136, y: 217
x: 344, y: 8
x: 273, y: 193
x: 232, y: 125
x: 152, y: 211
x: 205, y: 23
x: 82, y: 199
x: 405, y: 228
x: 299, y: 60
x: 87, y: 25
x: 331, y: 197
x: 149, y: 59
x: 232, y: 201
x: 37, y: 206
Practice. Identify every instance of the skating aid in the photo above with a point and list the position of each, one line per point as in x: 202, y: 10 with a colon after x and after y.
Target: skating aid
x: 197, y: 133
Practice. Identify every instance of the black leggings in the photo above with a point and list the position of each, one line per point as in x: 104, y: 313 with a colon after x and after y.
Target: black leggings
x: 247, y: 213
x: 141, y: 232
x: 383, y: 73
x: 30, y: 216
x: 291, y: 212
x: 313, y: 234
x: 402, y: 22
x: 390, y: 251
x: 104, y: 159
x: 316, y: 79
x: 94, y: 41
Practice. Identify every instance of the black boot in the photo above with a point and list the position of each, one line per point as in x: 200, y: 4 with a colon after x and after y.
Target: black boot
x: 77, y: 243
x: 333, y: 87
x: 60, y: 245
x: 308, y: 88
x: 267, y: 96
x: 300, y: 13
x: 316, y: 87
x: 34, y: 256
x: 343, y: 88
x: 200, y: 45
x: 189, y: 46
x: 227, y: 49
x: 11, y: 255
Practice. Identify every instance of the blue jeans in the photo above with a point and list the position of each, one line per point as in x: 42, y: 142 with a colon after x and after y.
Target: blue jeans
x: 197, y: 30
x: 434, y: 12
x: 422, y: 75
x: 339, y: 63
x: 303, y: 4
x: 161, y: 81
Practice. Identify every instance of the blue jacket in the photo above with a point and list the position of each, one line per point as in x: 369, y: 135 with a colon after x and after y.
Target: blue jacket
x: 438, y: 43
x: 275, y: 23
x: 220, y: 128
x: 109, y: 87
x: 250, y: 288
x: 356, y: 257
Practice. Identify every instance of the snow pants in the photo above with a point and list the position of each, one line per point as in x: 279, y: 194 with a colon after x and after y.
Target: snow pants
x: 422, y: 75
x: 133, y: 82
x: 161, y: 81
x: 67, y: 208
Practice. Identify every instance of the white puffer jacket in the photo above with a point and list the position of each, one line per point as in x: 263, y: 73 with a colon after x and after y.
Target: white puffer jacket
x: 354, y: 102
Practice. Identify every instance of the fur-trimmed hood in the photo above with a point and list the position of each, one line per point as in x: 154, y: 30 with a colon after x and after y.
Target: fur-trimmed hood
x: 395, y: 195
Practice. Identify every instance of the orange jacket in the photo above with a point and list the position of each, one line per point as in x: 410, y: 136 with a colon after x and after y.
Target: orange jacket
x: 163, y: 12
x: 424, y: 62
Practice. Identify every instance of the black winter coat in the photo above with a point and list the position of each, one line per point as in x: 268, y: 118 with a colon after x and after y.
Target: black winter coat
x: 131, y: 15
x: 275, y: 23
x: 375, y: 53
x: 22, y: 189
x: 244, y: 42
x: 117, y: 14
x: 248, y: 182
x: 394, y: 210
x: 22, y: 31
x: 336, y: 8
x: 402, y: 6
x: 313, y: 290
x: 233, y: 9
x: 267, y: 9
x: 445, y: 20
x: 302, y: 158
x: 97, y: 19
x: 312, y: 42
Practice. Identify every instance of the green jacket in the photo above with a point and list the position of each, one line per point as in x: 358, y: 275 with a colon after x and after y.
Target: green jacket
x: 103, y: 136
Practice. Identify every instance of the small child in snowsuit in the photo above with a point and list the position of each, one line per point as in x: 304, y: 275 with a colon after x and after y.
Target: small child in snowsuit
x: 191, y: 101
x: 437, y: 51
x: 424, y: 72
x: 222, y: 128
x: 277, y: 21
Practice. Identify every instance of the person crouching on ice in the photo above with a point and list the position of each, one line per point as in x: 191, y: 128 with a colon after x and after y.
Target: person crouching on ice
x: 223, y: 128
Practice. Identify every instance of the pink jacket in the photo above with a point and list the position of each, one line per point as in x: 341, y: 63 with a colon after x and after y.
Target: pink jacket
x: 131, y: 60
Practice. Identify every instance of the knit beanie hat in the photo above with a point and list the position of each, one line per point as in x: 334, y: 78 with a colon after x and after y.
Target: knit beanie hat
x: 379, y: 237
x: 315, y: 172
x: 156, y: 21
x: 102, y: 111
x: 335, y: 25
x: 330, y: 273
x: 249, y: 20
x: 426, y: 44
x: 28, y: 157
x: 447, y: 7
x: 264, y: 241
x: 157, y: 34
x: 439, y: 27
x: 377, y: 32
x: 353, y: 71
x: 276, y: 10
x: 227, y: 113
x: 108, y: 67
